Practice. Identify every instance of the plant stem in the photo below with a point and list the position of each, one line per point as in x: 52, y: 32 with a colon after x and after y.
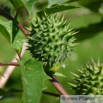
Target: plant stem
x: 16, y: 14
x: 4, y: 13
x: 23, y: 30
x: 52, y: 94
x: 59, y: 87
x: 10, y: 63
x: 18, y: 55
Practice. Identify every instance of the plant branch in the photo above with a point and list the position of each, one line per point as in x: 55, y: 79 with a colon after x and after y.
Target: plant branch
x: 4, y: 13
x: 18, y: 55
x: 52, y: 94
x: 16, y: 14
x: 23, y: 30
x: 10, y: 63
x: 59, y: 87
x: 8, y: 16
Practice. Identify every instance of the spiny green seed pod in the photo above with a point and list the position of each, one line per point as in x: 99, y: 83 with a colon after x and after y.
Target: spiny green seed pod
x: 51, y: 40
x: 89, y: 81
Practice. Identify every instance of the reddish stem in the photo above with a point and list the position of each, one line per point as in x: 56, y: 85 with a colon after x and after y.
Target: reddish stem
x: 23, y: 30
x: 4, y: 13
x: 10, y: 63
x: 58, y: 86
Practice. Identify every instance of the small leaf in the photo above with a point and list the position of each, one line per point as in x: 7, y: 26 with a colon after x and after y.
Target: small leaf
x: 59, y: 74
x: 5, y: 29
x: 57, y: 8
x: 20, y: 4
x: 17, y: 40
x: 33, y: 79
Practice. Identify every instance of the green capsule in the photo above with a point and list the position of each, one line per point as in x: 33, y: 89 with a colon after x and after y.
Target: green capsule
x: 89, y: 80
x: 52, y: 39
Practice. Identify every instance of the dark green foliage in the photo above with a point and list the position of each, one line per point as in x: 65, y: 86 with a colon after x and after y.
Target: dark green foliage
x: 57, y: 8
x: 89, y: 81
x: 51, y: 39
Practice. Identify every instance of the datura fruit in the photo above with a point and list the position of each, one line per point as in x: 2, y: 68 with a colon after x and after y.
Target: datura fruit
x: 89, y: 81
x: 51, y: 40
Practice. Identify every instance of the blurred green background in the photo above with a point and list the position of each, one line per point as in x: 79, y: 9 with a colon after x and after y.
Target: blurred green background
x: 87, y: 20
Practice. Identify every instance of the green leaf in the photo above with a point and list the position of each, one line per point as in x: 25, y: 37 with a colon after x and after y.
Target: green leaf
x: 12, y: 33
x: 33, y: 77
x: 88, y: 4
x: 17, y: 39
x: 20, y: 4
x: 59, y: 74
x: 53, y: 2
x: 56, y: 9
x: 5, y: 29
